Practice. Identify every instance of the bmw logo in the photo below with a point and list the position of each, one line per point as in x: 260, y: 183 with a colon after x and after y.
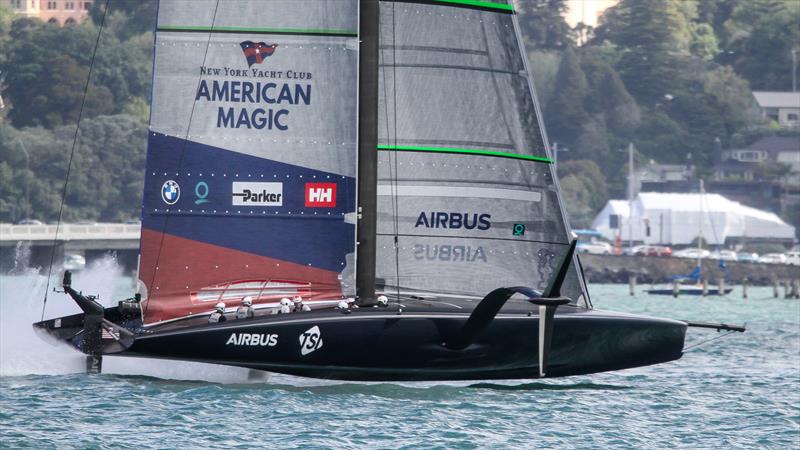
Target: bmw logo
x: 170, y: 192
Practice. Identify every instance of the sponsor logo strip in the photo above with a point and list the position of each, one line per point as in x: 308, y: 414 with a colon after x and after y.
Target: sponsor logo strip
x: 247, y: 30
x: 460, y: 191
x: 467, y: 151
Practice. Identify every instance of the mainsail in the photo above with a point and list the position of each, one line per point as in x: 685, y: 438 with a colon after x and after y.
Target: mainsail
x: 467, y: 196
x: 251, y: 162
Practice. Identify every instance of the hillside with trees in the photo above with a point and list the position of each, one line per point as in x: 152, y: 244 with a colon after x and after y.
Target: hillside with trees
x: 670, y: 76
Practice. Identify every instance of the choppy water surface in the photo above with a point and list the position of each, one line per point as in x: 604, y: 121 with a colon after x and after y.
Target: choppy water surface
x: 736, y: 392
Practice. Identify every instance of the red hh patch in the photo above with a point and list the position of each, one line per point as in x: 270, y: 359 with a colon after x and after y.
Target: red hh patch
x: 320, y: 195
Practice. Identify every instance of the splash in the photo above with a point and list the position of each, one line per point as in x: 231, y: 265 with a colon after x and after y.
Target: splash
x: 22, y: 257
x: 23, y: 351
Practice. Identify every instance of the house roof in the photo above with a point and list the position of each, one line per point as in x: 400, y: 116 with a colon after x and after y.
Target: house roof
x: 771, y: 99
x: 774, y: 144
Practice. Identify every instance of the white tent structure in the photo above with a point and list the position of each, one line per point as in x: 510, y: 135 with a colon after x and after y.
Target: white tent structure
x: 678, y: 219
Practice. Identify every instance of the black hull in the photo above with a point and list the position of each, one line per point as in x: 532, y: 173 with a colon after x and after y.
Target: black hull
x: 374, y: 344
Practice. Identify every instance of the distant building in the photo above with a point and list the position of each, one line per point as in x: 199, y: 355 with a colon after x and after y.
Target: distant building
x: 59, y: 12
x: 780, y: 107
x: 678, y: 220
x: 655, y: 177
x: 751, y: 163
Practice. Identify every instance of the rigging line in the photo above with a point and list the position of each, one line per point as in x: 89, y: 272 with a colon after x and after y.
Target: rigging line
x: 692, y: 347
x: 396, y: 156
x: 183, y: 153
x: 710, y: 217
x: 72, y: 155
x: 388, y: 132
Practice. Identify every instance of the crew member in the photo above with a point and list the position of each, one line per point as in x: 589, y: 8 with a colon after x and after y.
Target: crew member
x: 299, y: 306
x: 219, y: 314
x: 246, y: 311
x: 383, y: 301
x: 347, y: 305
x: 286, y: 306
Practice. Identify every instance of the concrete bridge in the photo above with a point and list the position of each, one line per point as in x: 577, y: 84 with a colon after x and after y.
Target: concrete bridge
x: 35, y: 243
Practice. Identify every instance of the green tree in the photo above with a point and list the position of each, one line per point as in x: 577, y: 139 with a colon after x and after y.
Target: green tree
x: 565, y: 111
x: 543, y: 26
x: 126, y: 18
x: 768, y: 31
x: 704, y: 42
x: 653, y: 36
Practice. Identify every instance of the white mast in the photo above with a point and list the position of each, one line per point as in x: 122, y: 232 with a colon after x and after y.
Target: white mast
x: 700, y: 234
x: 630, y: 196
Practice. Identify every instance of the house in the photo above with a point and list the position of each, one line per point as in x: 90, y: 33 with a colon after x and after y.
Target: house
x: 780, y: 107
x: 58, y: 12
x: 656, y: 177
x: 771, y: 158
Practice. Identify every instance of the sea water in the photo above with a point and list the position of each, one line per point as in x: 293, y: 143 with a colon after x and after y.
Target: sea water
x: 738, y: 391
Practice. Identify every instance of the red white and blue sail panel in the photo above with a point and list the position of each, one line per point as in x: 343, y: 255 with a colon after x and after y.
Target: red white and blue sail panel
x: 250, y: 183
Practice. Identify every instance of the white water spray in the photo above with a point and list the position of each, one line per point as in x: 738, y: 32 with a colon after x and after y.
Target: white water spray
x: 23, y: 351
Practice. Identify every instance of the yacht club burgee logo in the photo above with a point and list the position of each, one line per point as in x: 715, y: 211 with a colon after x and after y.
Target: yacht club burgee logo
x: 257, y: 52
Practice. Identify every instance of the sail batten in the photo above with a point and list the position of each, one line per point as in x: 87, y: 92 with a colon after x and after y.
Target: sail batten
x: 257, y: 30
x: 496, y: 6
x: 470, y: 151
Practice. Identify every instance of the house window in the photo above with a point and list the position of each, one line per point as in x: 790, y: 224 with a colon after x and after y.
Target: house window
x: 791, y: 117
x: 87, y: 5
x: 751, y: 155
x: 18, y: 4
x: 33, y: 4
x: 69, y: 6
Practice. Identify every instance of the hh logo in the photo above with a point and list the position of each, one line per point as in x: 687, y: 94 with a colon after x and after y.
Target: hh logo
x: 310, y: 340
x: 320, y: 195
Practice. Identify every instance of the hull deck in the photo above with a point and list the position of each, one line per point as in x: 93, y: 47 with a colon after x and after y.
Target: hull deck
x: 379, y: 344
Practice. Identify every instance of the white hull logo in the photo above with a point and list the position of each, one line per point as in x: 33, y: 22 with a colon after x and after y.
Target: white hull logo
x: 310, y: 340
x: 253, y: 339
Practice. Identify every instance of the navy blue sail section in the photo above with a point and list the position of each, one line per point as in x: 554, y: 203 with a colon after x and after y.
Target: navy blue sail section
x: 209, y: 180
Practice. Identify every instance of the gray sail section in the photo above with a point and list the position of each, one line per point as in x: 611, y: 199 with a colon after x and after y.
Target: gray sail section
x: 294, y: 103
x: 464, y: 176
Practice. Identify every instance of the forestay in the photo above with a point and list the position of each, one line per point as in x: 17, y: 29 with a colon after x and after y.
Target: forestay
x: 465, y: 180
x: 252, y: 153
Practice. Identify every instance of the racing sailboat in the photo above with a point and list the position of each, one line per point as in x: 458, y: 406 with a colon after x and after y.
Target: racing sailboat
x: 384, y: 162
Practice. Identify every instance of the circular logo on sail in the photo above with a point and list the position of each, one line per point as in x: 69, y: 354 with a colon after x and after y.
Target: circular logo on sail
x: 170, y: 192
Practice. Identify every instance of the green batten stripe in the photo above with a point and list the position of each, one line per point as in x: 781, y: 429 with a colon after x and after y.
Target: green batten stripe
x: 479, y: 4
x: 245, y: 30
x: 466, y: 151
